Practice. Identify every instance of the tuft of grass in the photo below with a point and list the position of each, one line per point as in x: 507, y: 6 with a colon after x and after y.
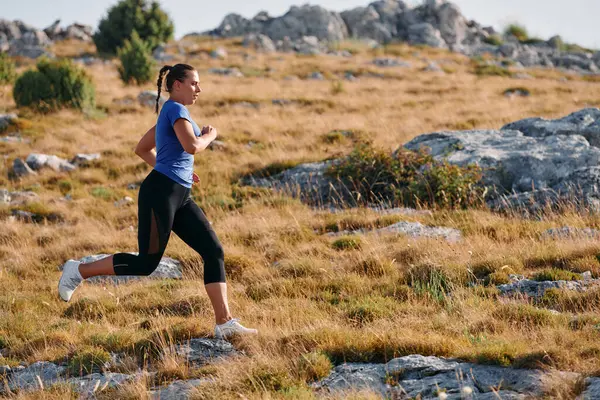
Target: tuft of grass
x: 374, y: 266
x: 518, y: 31
x: 525, y: 315
x: 313, y: 366
x: 556, y: 274
x: 88, y: 361
x: 347, y: 243
x: 494, y: 40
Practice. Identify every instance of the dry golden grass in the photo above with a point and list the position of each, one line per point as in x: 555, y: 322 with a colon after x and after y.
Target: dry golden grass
x: 311, y: 300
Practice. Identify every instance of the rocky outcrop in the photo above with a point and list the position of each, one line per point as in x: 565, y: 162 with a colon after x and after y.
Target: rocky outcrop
x: 20, y: 39
x: 526, y: 166
x: 433, y: 23
x: 417, y: 376
x: 535, y: 289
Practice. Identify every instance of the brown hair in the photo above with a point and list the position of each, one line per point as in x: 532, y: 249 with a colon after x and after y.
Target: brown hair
x: 177, y: 72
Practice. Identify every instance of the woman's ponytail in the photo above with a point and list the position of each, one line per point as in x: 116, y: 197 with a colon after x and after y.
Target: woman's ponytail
x: 162, y: 72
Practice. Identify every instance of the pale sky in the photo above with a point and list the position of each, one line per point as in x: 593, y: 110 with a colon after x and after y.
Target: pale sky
x: 575, y: 20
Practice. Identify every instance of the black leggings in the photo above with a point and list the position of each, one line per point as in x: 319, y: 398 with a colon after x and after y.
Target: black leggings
x: 166, y: 206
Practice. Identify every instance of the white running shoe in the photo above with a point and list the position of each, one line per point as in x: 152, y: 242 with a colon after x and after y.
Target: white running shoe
x: 69, y: 280
x: 232, y: 327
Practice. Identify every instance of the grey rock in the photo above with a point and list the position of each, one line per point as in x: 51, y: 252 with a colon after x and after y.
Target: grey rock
x: 20, y: 168
x: 84, y: 159
x: 308, y: 45
x: 39, y: 161
x: 390, y: 62
x: 567, y: 232
x: 575, y: 61
x: 6, y: 120
x: 536, y: 289
x: 416, y: 229
x: 147, y: 98
x: 425, y: 33
x: 88, y: 384
x: 217, y: 145
x: 433, y: 67
x: 4, y: 370
x: 200, y: 351
x: 168, y: 268
x: 365, y: 22
x: 124, y: 201
x: 451, y: 24
x: 219, y: 53
x: 13, y: 139
x: 592, y: 390
x: 517, y: 92
x: 419, y: 376
x: 178, y: 390
x: 18, y: 198
x: 307, y: 20
x: 317, y: 76
x: 355, y: 376
x: 259, y: 42
x: 4, y: 196
x: 30, y: 377
x: 234, y: 72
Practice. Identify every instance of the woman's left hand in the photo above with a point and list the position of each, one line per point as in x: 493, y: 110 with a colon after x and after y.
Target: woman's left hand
x: 195, y: 178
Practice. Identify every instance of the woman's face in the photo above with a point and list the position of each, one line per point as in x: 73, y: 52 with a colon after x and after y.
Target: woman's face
x: 189, y: 88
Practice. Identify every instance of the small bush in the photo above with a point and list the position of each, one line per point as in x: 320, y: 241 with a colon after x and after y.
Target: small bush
x: 491, y: 70
x: 55, y: 84
x: 88, y: 361
x: 411, y: 178
x: 347, y: 243
x: 136, y: 61
x: 518, y: 31
x: 525, y: 315
x: 430, y: 281
x: 148, y: 20
x: 556, y: 274
x: 7, y: 70
x: 368, y: 309
x: 337, y: 87
x: 314, y: 366
x: 494, y: 40
x: 497, y: 278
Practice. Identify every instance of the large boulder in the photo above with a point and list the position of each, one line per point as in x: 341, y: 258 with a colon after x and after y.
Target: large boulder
x: 425, y: 33
x: 451, y: 24
x: 307, y: 20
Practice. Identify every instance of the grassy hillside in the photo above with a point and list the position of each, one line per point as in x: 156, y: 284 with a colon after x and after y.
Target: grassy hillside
x: 315, y: 302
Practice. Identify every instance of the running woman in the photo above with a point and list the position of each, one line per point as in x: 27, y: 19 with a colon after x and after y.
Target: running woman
x: 165, y: 204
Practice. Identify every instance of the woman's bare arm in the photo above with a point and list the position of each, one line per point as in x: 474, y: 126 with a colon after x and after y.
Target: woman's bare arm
x: 145, y: 147
x: 189, y: 141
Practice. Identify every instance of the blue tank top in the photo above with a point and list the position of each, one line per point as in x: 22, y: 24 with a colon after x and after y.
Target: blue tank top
x: 171, y: 159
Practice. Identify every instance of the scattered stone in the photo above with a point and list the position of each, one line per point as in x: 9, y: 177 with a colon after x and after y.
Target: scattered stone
x: 201, y: 351
x: 567, y: 232
x: 84, y: 159
x: 148, y: 99
x: 233, y: 72
x: 416, y: 229
x: 30, y: 377
x: 168, y: 268
x: 89, y: 384
x: 19, y: 198
x: 316, y: 76
x: 424, y: 377
x: 13, y: 139
x: 4, y: 196
x: 217, y: 145
x: 4, y: 370
x: 592, y: 390
x: 21, y: 169
x: 6, y: 120
x: 259, y: 42
x: 39, y: 161
x: 124, y: 201
x: 282, y: 102
x: 517, y: 92
x: 535, y: 289
x: 390, y: 62
x: 177, y: 390
x: 219, y: 53
x: 433, y: 67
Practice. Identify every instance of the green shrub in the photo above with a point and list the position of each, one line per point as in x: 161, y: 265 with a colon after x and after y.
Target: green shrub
x: 314, y: 366
x: 136, y: 61
x: 491, y: 70
x: 518, y: 31
x: 347, y: 243
x: 556, y: 274
x: 88, y: 361
x: 55, y: 84
x: 407, y: 177
x: 151, y: 23
x: 495, y: 40
x: 7, y: 70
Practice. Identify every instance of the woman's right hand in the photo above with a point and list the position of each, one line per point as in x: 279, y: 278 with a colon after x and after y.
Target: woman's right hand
x: 209, y: 130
